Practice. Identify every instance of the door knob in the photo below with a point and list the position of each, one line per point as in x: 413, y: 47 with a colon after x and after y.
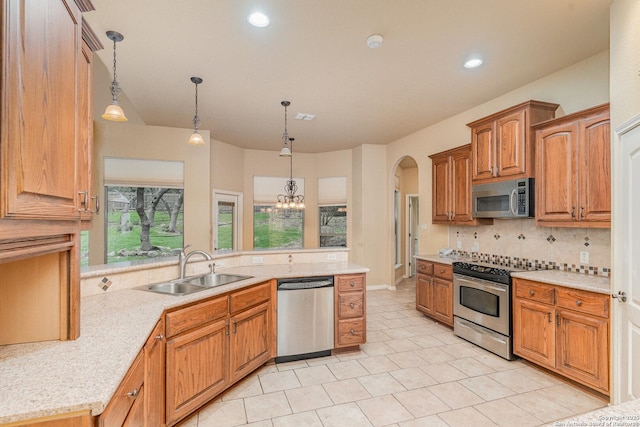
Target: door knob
x: 620, y: 296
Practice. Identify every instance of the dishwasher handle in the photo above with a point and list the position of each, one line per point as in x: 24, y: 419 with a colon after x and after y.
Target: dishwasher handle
x: 293, y: 286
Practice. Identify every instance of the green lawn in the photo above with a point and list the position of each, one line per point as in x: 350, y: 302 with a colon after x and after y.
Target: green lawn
x: 274, y: 231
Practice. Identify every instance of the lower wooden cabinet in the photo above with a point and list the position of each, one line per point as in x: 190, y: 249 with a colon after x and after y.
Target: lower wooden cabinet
x: 77, y: 419
x: 564, y: 330
x: 350, y: 310
x: 434, y: 291
x: 214, y: 343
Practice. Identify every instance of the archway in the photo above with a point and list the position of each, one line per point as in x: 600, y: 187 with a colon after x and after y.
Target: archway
x: 405, y: 218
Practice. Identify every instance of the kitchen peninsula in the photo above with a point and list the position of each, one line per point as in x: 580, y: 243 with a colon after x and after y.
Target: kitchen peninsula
x: 57, y: 377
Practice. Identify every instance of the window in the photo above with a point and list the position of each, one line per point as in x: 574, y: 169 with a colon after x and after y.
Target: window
x: 227, y: 207
x: 275, y: 228
x: 84, y: 248
x: 144, y: 215
x: 332, y: 211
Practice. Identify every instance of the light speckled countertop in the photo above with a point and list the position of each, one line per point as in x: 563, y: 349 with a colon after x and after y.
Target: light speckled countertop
x: 587, y: 282
x: 625, y: 414
x: 56, y: 377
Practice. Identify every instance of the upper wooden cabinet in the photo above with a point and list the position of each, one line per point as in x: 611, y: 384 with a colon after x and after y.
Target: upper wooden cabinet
x: 451, y: 192
x: 573, y: 170
x: 502, y: 144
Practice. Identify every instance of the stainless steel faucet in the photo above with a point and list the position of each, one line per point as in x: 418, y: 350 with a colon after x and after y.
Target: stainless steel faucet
x: 184, y: 257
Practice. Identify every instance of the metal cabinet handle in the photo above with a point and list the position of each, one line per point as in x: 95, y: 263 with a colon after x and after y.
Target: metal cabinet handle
x: 352, y: 331
x: 133, y: 393
x: 579, y: 303
x: 573, y: 212
x: 95, y: 198
x: 532, y: 293
x: 581, y: 213
x: 557, y: 319
x: 227, y: 329
x: 85, y: 201
x: 235, y: 326
x: 549, y: 316
x: 352, y: 305
x: 620, y: 296
x: 352, y: 283
x: 159, y: 337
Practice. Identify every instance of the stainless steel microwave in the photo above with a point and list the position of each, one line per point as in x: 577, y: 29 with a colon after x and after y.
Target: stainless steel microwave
x: 504, y: 199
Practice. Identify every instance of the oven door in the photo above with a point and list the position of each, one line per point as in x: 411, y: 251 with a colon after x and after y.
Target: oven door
x: 482, y: 302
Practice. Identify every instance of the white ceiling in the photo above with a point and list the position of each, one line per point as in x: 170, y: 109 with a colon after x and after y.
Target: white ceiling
x: 314, y: 54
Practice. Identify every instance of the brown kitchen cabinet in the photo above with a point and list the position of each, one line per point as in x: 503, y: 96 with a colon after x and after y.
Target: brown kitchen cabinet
x: 139, y: 399
x: 502, y: 144
x: 573, y: 176
x: 451, y: 188
x: 564, y: 330
x: 434, y: 290
x: 75, y: 419
x: 214, y: 343
x: 350, y: 310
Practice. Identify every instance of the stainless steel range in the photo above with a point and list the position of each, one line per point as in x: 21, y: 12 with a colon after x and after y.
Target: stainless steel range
x: 482, y: 305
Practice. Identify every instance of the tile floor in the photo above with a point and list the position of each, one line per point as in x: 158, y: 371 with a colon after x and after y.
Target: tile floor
x: 412, y: 372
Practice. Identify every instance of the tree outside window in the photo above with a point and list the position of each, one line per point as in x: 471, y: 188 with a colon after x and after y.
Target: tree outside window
x: 143, y: 222
x: 333, y: 226
x: 277, y: 228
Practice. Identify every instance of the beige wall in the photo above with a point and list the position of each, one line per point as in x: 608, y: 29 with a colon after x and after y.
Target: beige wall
x: 158, y: 143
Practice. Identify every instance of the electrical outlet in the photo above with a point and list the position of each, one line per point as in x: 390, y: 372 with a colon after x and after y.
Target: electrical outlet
x: 459, y: 244
x: 257, y: 260
x: 332, y: 257
x: 584, y: 257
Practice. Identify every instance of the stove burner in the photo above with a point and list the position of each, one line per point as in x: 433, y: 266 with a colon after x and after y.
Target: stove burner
x: 493, y: 273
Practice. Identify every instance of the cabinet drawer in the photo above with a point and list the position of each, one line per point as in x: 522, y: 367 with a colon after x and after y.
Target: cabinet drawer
x: 129, y: 390
x: 424, y: 267
x: 583, y: 301
x: 351, y: 332
x: 196, y: 315
x: 348, y: 283
x: 250, y: 297
x: 443, y: 271
x: 350, y: 305
x: 534, y: 291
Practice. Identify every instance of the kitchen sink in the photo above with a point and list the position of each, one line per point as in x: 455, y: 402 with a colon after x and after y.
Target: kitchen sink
x: 215, y: 279
x: 172, y: 288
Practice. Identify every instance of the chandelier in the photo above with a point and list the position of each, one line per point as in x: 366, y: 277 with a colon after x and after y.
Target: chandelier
x: 289, y: 200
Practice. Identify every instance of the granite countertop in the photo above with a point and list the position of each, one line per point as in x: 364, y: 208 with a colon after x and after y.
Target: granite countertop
x: 624, y: 414
x: 57, y: 377
x: 587, y: 282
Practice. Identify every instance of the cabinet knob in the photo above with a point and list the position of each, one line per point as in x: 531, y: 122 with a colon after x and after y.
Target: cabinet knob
x: 422, y: 267
x: 579, y: 303
x: 441, y: 271
x: 352, y: 331
x: 159, y: 337
x: 532, y: 293
x: 352, y: 283
x: 133, y: 393
x: 352, y: 305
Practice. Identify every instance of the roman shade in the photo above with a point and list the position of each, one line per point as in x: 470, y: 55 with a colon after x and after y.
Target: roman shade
x: 121, y: 172
x: 332, y: 191
x: 267, y: 188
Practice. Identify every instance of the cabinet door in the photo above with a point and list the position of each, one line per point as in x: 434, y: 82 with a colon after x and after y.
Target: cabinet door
x: 85, y: 133
x: 424, y: 294
x: 41, y: 41
x: 534, y: 332
x: 595, y: 169
x: 482, y: 151
x: 511, y: 145
x: 461, y: 186
x: 443, y: 301
x: 556, y: 182
x: 249, y: 339
x: 197, y: 365
x: 441, y: 189
x: 582, y: 348
x: 154, y: 374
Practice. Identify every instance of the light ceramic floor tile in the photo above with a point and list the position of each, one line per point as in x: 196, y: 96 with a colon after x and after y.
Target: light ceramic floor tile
x: 263, y: 423
x: 541, y: 406
x: 407, y: 359
x: 397, y: 333
x: 223, y: 414
x: 448, y: 337
x: 421, y: 402
x: 497, y: 363
x: 573, y: 399
x: 460, y: 350
x: 506, y: 414
x: 308, y: 398
x: 314, y: 375
x: 250, y: 386
x: 487, y: 388
x: 326, y: 360
x: 466, y: 417
x: 430, y: 421
x: 470, y: 366
x: 377, y: 336
x: 412, y: 378
x: 347, y: 369
x: 346, y: 391
x: 306, y: 419
x: 384, y: 410
x: 455, y: 395
x: 381, y: 384
x: 516, y: 381
x: 378, y: 364
x: 352, y: 355
x: 402, y: 344
x: 377, y: 349
x: 539, y: 376
x: 396, y: 314
x: 277, y: 381
x: 434, y: 355
x: 443, y: 372
x: 266, y: 406
x: 192, y: 421
x: 426, y: 341
x: 289, y: 366
x: 346, y: 415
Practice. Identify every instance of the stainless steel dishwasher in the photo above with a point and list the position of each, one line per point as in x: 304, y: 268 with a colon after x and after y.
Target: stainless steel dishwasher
x: 305, y: 318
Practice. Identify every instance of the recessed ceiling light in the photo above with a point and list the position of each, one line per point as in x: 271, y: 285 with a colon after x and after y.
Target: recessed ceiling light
x: 374, y: 41
x: 473, y: 63
x: 258, y: 19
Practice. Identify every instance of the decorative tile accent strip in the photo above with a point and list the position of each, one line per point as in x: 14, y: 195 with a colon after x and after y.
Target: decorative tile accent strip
x: 551, y: 239
x: 496, y: 236
x: 586, y: 241
x: 534, y: 264
x: 105, y: 283
x: 521, y: 236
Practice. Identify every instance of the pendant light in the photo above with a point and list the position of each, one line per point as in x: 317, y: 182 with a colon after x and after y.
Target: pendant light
x: 289, y: 200
x: 114, y: 112
x: 196, y: 138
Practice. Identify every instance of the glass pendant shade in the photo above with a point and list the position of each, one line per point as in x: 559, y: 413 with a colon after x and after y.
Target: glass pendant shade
x: 114, y: 113
x: 196, y: 139
x: 285, y: 152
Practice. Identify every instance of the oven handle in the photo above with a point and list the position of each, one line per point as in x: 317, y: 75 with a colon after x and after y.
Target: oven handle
x: 478, y: 284
x: 512, y: 197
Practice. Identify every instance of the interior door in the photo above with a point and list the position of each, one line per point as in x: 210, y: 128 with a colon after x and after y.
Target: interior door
x: 412, y: 234
x: 625, y: 336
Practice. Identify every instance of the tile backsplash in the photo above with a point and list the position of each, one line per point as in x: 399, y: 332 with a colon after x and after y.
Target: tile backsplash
x: 519, y: 240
